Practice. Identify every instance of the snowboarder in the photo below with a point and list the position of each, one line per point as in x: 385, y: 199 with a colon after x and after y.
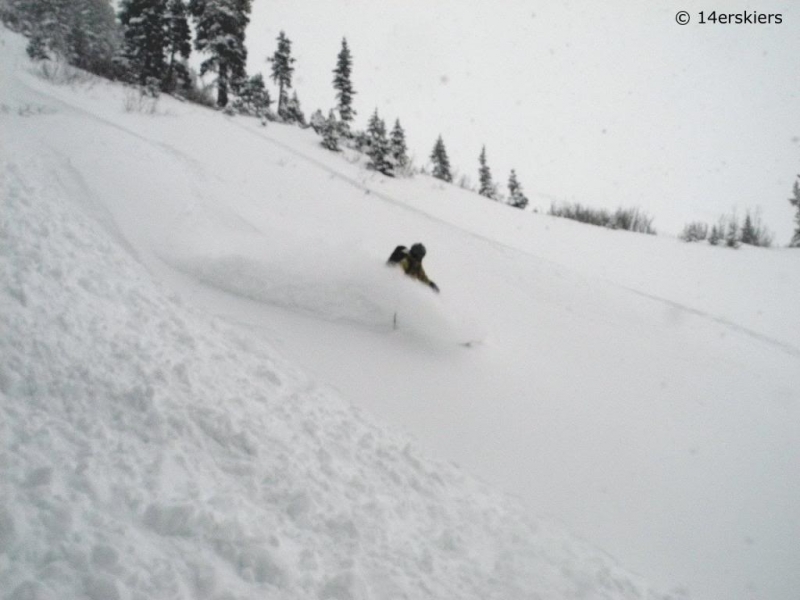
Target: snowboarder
x: 411, y: 262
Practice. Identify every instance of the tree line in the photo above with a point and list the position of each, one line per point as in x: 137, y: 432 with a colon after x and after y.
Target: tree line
x: 148, y: 44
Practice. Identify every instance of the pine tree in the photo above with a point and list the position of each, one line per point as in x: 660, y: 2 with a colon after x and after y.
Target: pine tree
x: 282, y: 70
x: 732, y: 239
x: 145, y: 41
x: 748, y: 234
x: 795, y: 201
x: 253, y: 97
x: 378, y: 150
x: 83, y: 32
x: 441, y: 164
x: 317, y: 121
x: 343, y: 86
x: 516, y: 198
x: 179, y: 43
x: 330, y: 132
x: 397, y: 146
x: 294, y: 114
x: 220, y: 27
x: 487, y: 185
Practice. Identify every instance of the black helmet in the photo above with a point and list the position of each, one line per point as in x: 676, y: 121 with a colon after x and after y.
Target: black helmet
x: 417, y: 251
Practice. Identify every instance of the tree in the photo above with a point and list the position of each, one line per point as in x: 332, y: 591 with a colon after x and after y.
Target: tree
x: 397, y: 146
x: 441, y: 164
x: 330, y: 132
x: 487, y: 185
x: 294, y: 114
x: 220, y: 27
x: 83, y: 32
x: 282, y: 70
x: 795, y: 201
x: 179, y: 43
x: 253, y: 97
x: 717, y: 233
x: 748, y: 234
x: 317, y: 122
x: 516, y: 198
x: 343, y: 86
x: 146, y: 41
x: 378, y: 148
x: 732, y: 239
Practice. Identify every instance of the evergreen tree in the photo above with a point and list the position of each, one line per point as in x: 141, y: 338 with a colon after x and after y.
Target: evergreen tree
x: 282, y: 70
x: 294, y: 114
x: 795, y: 201
x: 732, y: 239
x: 487, y: 185
x: 344, y: 87
x: 220, y: 27
x: 441, y: 164
x: 145, y: 41
x: 317, y: 121
x: 516, y: 198
x: 330, y: 132
x: 397, y: 146
x: 253, y: 97
x: 83, y: 32
x: 378, y: 150
x: 717, y: 234
x: 748, y: 234
x: 179, y: 43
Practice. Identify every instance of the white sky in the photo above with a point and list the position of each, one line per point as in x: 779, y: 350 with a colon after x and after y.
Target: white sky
x: 608, y: 104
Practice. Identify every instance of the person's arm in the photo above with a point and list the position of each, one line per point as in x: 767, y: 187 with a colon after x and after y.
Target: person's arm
x: 423, y: 277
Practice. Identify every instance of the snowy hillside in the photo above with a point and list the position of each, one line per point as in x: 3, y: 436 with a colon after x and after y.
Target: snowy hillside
x: 203, y: 395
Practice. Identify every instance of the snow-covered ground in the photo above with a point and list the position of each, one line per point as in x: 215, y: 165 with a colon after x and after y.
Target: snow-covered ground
x: 203, y: 395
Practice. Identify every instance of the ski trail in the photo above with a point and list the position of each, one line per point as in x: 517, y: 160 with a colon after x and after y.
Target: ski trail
x: 785, y: 347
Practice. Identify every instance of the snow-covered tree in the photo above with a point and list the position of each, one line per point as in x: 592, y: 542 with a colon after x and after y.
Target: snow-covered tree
x: 145, y: 33
x: 516, y: 198
x: 795, y: 201
x: 179, y: 44
x: 220, y: 27
x: 83, y: 32
x: 282, y: 70
x: 441, y: 164
x: 485, y: 175
x: 253, y: 97
x: 330, y: 132
x: 294, y: 114
x: 317, y: 121
x: 378, y: 146
x: 397, y: 146
x: 343, y: 86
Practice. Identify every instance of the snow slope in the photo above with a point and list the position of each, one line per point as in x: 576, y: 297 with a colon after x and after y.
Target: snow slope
x: 156, y: 269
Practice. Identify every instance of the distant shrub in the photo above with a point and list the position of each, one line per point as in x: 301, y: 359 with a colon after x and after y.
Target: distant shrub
x: 628, y: 219
x: 727, y: 230
x: 694, y: 232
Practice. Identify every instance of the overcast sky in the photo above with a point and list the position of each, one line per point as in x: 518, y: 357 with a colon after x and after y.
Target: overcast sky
x: 608, y: 104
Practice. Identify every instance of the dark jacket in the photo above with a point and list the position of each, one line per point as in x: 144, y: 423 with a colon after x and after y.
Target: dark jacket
x: 411, y: 266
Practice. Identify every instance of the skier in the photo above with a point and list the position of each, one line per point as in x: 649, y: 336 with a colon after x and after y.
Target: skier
x: 411, y: 262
